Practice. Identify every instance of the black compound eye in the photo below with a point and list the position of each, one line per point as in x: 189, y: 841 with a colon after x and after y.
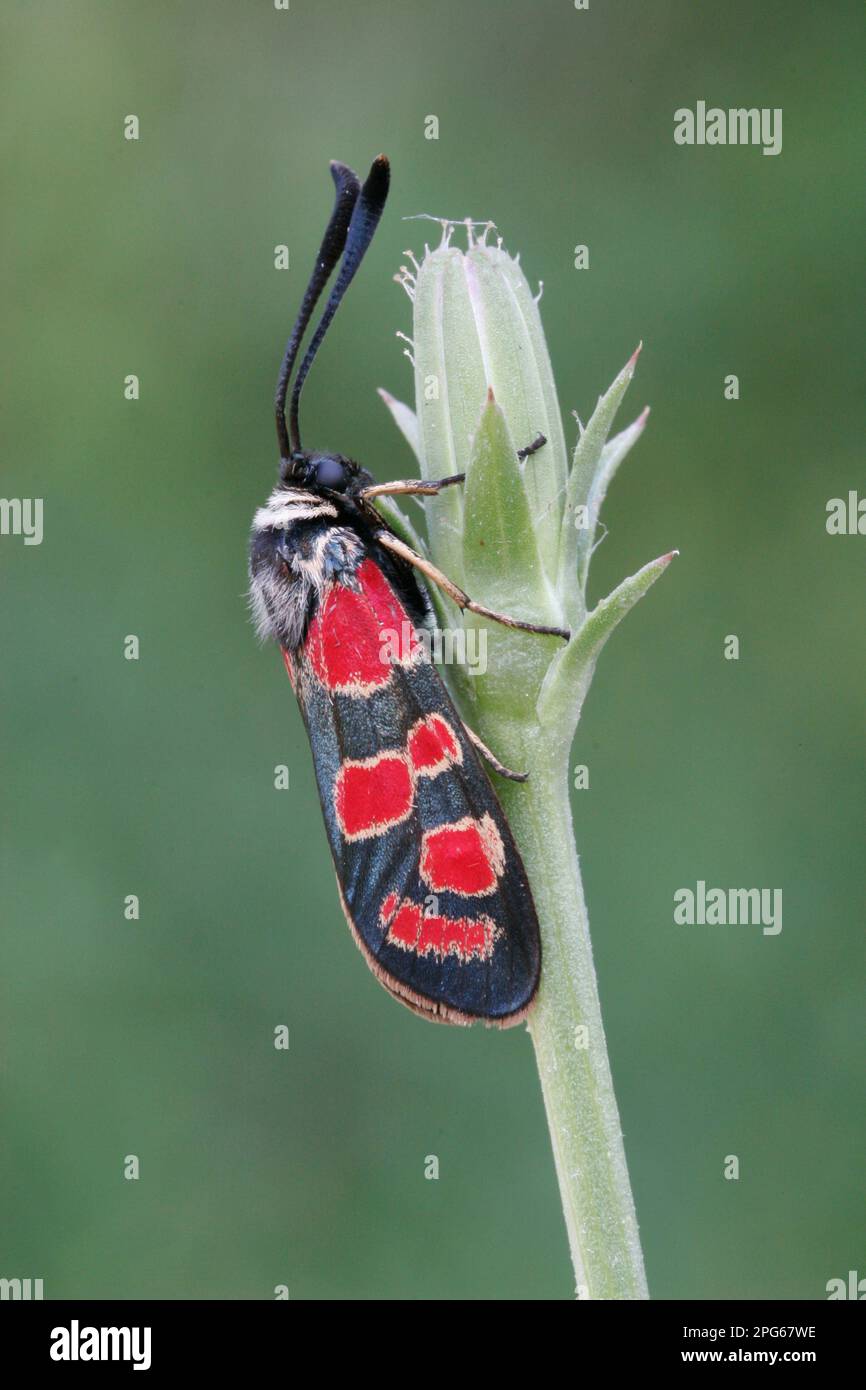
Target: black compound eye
x: 331, y: 473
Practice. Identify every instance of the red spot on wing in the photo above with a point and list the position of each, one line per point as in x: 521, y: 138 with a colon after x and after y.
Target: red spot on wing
x: 357, y: 635
x: 466, y: 857
x: 464, y: 937
x: 406, y: 925
x: 387, y: 609
x: 386, y: 911
x: 432, y: 746
x: 467, y: 938
x: 372, y: 795
x: 344, y: 646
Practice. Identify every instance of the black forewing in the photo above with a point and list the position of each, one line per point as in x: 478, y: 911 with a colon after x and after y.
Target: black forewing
x: 345, y: 726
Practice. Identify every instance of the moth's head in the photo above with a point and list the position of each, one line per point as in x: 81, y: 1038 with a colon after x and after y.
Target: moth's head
x: 321, y: 471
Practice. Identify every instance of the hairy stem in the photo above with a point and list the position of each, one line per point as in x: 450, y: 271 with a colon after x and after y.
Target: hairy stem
x: 569, y: 1041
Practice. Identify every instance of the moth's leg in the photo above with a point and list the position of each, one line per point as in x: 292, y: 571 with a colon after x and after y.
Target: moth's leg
x: 492, y: 759
x: 538, y: 443
x: 410, y: 487
x: 428, y: 487
x: 456, y: 594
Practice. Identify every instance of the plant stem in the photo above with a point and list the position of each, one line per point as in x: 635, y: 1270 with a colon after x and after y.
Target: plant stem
x: 573, y: 1065
x: 521, y: 538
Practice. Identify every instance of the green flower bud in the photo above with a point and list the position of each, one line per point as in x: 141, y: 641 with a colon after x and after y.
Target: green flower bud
x: 518, y: 535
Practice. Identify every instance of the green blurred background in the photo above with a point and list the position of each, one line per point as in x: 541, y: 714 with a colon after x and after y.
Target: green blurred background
x: 155, y: 1038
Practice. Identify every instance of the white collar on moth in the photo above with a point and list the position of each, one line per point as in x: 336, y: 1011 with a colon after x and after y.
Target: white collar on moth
x: 286, y: 505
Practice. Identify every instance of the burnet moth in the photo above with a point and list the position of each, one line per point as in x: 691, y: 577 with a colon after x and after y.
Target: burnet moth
x: 430, y: 879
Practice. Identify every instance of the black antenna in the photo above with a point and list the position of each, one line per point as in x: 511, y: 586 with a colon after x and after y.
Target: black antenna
x: 330, y: 251
x: 365, y: 219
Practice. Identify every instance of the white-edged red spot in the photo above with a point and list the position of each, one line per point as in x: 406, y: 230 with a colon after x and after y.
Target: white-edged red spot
x: 372, y: 794
x: 350, y: 641
x: 391, y: 618
x: 467, y: 938
x: 432, y: 746
x: 386, y: 911
x: 466, y: 857
x: 343, y: 644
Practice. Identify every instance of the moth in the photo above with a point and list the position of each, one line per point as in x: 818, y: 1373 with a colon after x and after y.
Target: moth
x: 430, y: 879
